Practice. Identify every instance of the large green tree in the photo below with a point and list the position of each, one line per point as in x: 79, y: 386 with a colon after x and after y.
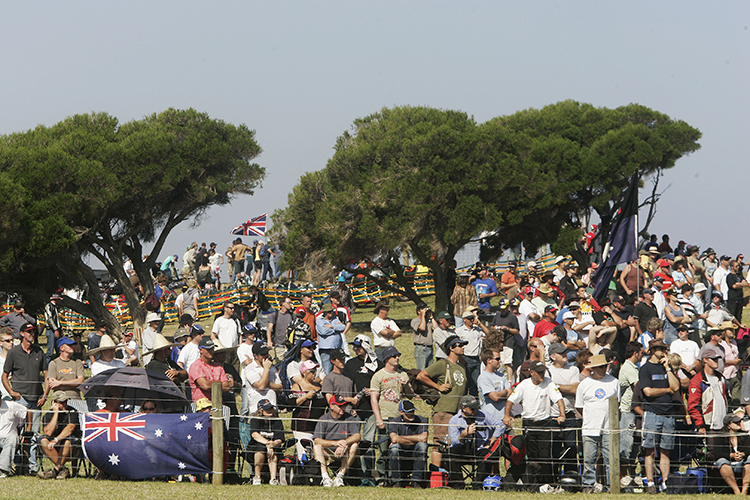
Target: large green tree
x: 91, y: 189
x: 427, y: 181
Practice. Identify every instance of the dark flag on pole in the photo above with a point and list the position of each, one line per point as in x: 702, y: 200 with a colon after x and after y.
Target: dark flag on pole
x: 622, y: 245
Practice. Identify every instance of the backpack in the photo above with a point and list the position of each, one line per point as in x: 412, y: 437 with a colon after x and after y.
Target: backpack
x: 429, y: 395
x: 151, y: 302
x: 513, y: 448
x: 263, y: 250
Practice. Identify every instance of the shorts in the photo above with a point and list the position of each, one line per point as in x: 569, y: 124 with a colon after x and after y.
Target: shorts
x: 658, y: 431
x: 440, y: 426
x: 737, y: 467
x: 506, y: 357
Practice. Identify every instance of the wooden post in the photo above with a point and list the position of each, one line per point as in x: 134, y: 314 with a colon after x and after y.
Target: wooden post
x: 217, y: 426
x: 614, y: 445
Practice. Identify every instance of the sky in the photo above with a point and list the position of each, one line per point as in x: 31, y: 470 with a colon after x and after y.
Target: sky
x: 299, y: 73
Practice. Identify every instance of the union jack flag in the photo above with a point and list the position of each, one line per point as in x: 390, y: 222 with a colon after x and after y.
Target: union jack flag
x: 144, y: 445
x: 256, y: 226
x: 112, y: 424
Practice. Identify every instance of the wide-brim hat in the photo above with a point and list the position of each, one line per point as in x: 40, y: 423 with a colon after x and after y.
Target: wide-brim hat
x: 544, y: 288
x: 727, y: 325
x: 160, y: 342
x: 105, y: 344
x: 381, y: 305
x: 657, y: 344
x: 219, y: 350
x: 152, y: 316
x: 598, y: 360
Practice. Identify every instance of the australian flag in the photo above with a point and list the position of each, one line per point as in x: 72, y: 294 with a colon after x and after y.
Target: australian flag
x: 256, y: 226
x: 140, y: 445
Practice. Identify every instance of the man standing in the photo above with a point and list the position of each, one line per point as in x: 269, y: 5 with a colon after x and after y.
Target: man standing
x: 336, y: 436
x: 509, y: 282
x: 226, y: 328
x: 493, y: 386
x: 720, y: 276
x: 644, y: 311
x: 537, y: 395
x: 658, y: 383
x: 385, y: 395
x: 592, y: 400
x: 423, y: 327
x: 707, y: 395
x: 52, y: 322
x: 566, y: 376
x: 628, y: 378
x: 64, y: 373
x: 441, y: 330
x: 337, y: 383
x: 448, y: 377
x: 507, y: 323
x: 276, y: 335
x: 735, y: 293
x: 17, y: 319
x: 205, y: 371
x: 408, y: 439
x: 260, y: 379
x: 237, y: 253
x: 486, y: 289
x: 384, y: 330
x: 329, y: 329
x: 26, y: 364
x: 309, y: 317
x: 472, y: 332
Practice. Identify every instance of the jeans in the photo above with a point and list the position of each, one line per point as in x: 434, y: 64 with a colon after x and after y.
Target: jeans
x: 473, y: 366
x: 397, y: 452
x: 8, y: 447
x: 266, y: 270
x: 592, y: 445
x: 325, y: 360
x: 627, y: 434
x: 36, y: 420
x: 51, y: 345
x: 423, y: 356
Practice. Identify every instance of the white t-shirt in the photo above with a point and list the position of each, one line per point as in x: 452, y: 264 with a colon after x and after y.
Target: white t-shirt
x: 720, y: 407
x: 687, y: 349
x: 567, y: 375
x: 377, y: 325
x: 101, y: 366
x: 527, y: 309
x: 189, y: 355
x: 251, y: 374
x: 720, y: 280
x: 130, y: 345
x: 537, y: 400
x: 148, y: 336
x: 12, y: 415
x: 228, y: 331
x: 244, y: 352
x: 593, y: 396
x: 3, y: 392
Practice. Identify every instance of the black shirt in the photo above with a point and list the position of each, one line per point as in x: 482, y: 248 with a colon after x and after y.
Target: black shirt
x: 510, y: 320
x: 734, y: 293
x: 361, y: 375
x: 64, y: 418
x: 655, y: 375
x: 26, y: 369
x: 643, y: 313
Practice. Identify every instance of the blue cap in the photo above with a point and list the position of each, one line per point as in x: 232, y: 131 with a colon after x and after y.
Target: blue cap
x: 341, y: 279
x: 308, y: 343
x: 65, y: 341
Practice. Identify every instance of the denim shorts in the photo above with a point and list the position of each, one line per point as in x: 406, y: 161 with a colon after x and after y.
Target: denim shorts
x: 737, y: 467
x: 658, y: 431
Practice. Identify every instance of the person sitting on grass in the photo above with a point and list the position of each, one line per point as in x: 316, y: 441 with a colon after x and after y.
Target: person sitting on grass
x: 732, y: 454
x: 336, y: 436
x: 267, y: 432
x: 61, y: 434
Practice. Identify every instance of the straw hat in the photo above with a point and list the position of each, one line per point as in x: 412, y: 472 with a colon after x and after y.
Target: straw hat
x: 160, y: 342
x: 105, y: 344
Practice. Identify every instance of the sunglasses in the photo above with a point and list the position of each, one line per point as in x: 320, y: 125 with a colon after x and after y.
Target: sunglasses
x: 149, y: 408
x: 498, y: 359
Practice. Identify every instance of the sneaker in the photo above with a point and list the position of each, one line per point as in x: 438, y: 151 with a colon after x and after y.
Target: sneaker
x: 546, y: 488
x: 47, y: 474
x: 598, y: 487
x: 651, y: 489
x: 63, y: 474
x: 3, y: 475
x: 338, y: 482
x: 256, y: 481
x: 326, y: 482
x: 274, y: 482
x: 557, y: 491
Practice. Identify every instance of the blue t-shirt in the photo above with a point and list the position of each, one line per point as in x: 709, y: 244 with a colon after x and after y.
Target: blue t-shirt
x: 492, y: 382
x: 485, y: 286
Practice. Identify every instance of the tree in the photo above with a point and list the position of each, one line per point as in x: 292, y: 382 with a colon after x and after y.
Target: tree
x: 89, y: 187
x: 427, y: 181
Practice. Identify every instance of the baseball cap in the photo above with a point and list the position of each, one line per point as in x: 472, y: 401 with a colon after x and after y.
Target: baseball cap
x: 556, y: 348
x: 308, y: 343
x: 300, y: 310
x: 453, y: 340
x: 469, y: 401
x: 260, y: 349
x: 307, y: 365
x: 406, y: 406
x: 504, y: 303
x: 65, y: 341
x: 337, y: 354
x: 265, y: 404
x: 537, y: 366
x: 341, y: 279
x: 550, y: 308
x: 732, y: 418
x: 710, y: 352
x: 336, y: 399
x: 206, y: 344
x: 443, y: 315
x: 569, y: 315
x: 59, y: 396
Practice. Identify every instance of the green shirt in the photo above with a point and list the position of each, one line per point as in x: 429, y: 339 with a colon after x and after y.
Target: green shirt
x: 628, y: 377
x: 451, y: 401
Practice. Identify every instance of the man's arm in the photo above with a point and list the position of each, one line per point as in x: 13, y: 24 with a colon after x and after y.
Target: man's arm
x: 6, y: 383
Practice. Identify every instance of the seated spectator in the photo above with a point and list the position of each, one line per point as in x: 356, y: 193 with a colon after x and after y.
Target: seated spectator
x: 301, y: 352
x: 128, y: 350
x: 112, y: 401
x: 474, y: 436
x: 336, y: 436
x: 150, y: 406
x: 310, y: 405
x: 731, y: 454
x: 408, y: 439
x: 61, y: 434
x: 267, y: 434
x: 12, y: 416
x: 161, y: 361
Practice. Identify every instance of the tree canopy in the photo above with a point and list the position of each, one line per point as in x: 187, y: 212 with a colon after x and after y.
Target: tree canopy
x: 427, y: 181
x: 90, y: 187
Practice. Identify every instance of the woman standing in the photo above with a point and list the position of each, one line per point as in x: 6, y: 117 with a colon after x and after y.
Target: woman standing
x: 676, y: 316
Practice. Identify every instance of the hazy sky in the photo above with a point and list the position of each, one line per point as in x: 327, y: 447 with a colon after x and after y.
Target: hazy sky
x: 299, y: 73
